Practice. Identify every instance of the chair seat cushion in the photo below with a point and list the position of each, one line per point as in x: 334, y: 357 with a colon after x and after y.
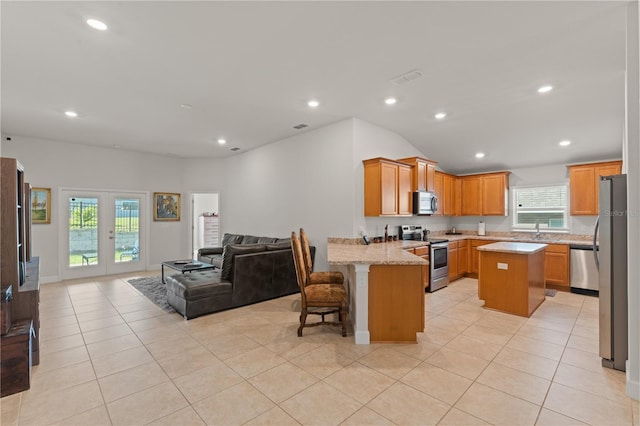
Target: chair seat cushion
x: 332, y: 293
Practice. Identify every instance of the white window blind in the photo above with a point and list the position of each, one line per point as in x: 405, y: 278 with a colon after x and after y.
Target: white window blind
x: 543, y: 205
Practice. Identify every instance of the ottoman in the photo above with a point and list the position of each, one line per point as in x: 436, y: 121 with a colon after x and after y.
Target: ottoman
x: 198, y: 293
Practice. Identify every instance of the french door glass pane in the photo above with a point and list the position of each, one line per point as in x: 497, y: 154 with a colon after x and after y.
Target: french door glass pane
x: 83, y: 231
x: 127, y: 230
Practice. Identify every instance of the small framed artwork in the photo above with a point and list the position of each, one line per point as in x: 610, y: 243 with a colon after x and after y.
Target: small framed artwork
x: 166, y: 206
x: 40, y: 205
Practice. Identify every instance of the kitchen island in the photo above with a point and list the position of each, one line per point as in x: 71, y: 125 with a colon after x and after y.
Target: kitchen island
x: 385, y: 287
x: 511, y: 277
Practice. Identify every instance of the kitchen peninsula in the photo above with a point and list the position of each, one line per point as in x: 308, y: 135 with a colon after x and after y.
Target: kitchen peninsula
x: 385, y: 287
x: 511, y: 277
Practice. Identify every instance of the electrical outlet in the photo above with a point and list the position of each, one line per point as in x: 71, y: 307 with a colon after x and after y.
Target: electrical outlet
x: 504, y: 266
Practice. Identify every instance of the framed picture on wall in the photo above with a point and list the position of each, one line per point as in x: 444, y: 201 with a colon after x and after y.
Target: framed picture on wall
x: 166, y: 206
x: 40, y: 205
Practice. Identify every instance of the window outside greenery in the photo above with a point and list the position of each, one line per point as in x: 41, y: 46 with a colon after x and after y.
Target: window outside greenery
x: 543, y: 205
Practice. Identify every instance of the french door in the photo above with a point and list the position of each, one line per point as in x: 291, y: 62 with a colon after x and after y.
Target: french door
x: 102, y: 233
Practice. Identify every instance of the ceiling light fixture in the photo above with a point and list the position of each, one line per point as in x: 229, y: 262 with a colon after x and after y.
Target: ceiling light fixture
x: 313, y: 103
x: 390, y: 101
x: 98, y: 25
x: 545, y: 89
x: 440, y: 115
x: 565, y: 142
x: 186, y: 106
x: 480, y: 155
x: 71, y: 114
x: 222, y: 141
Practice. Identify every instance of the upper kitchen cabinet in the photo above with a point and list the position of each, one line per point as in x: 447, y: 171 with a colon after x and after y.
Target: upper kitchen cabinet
x: 447, y: 190
x: 583, y: 182
x: 387, y: 188
x: 485, y: 194
x: 423, y: 173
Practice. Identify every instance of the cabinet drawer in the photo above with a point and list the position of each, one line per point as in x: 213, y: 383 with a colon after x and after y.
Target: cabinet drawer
x: 453, y: 245
x: 421, y: 251
x: 463, y: 244
x: 557, y: 248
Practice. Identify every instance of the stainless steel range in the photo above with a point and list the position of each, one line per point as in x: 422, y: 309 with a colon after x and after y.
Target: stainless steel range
x: 438, y: 264
x: 438, y: 255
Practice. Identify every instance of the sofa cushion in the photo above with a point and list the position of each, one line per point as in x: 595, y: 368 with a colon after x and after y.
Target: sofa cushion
x: 283, y: 240
x: 231, y: 239
x: 249, y: 239
x: 197, y: 284
x: 230, y: 251
x: 279, y: 246
x: 266, y: 240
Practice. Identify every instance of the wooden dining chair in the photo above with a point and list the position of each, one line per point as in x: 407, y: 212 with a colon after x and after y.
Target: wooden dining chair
x: 334, y: 277
x: 321, y: 298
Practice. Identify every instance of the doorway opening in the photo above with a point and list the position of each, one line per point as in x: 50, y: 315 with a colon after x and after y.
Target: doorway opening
x: 205, y: 221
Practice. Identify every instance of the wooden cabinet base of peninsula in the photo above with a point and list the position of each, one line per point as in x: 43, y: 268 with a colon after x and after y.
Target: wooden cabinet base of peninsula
x: 396, y: 303
x: 512, y: 283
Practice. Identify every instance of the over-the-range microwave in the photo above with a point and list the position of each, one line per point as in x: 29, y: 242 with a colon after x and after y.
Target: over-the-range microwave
x: 425, y: 202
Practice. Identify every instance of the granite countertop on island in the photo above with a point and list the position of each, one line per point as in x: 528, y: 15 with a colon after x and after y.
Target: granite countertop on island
x: 389, y: 253
x: 513, y: 247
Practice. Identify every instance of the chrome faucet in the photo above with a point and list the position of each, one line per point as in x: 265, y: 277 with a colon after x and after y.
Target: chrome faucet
x: 537, y: 229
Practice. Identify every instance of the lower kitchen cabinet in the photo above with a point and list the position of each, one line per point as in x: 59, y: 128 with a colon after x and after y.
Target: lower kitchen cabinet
x: 458, y: 259
x: 474, y: 256
x: 557, y: 266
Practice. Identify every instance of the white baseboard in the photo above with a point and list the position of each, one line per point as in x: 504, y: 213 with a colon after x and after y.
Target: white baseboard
x: 633, y: 386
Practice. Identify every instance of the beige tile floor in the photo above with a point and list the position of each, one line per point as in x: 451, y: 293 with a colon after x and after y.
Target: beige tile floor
x: 110, y: 357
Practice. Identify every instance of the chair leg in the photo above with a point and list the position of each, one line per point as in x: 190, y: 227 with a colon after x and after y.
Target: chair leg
x: 303, y: 320
x: 343, y: 319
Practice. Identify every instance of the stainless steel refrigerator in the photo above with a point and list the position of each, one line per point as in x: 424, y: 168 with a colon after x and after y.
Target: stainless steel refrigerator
x: 611, y: 259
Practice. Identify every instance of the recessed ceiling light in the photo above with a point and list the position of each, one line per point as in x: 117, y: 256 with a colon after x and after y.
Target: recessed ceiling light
x: 222, y: 141
x: 440, y: 115
x: 390, y: 101
x: 545, y: 89
x: 480, y: 155
x: 116, y: 146
x: 564, y: 143
x: 71, y: 114
x: 313, y: 103
x: 186, y: 106
x: 98, y: 25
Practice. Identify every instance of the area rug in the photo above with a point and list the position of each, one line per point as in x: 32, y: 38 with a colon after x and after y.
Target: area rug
x: 153, y: 289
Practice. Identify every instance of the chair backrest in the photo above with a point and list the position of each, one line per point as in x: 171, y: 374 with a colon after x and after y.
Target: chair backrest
x: 308, y: 262
x: 298, y: 260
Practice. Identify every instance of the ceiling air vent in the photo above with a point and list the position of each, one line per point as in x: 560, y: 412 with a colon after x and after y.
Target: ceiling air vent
x: 300, y: 126
x: 235, y: 148
x: 406, y: 77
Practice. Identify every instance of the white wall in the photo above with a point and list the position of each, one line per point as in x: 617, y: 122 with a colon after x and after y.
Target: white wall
x: 303, y: 181
x: 372, y: 141
x: 632, y: 155
x: 58, y: 165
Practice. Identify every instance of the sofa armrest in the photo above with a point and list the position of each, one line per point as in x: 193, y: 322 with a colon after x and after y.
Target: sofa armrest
x: 210, y: 250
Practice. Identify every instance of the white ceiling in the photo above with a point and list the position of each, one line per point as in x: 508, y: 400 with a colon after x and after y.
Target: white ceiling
x: 248, y: 69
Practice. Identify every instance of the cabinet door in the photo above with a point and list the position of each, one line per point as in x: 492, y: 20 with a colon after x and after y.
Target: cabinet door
x: 604, y: 170
x: 556, y: 263
x: 463, y: 257
x: 431, y: 176
x: 447, y: 201
x: 421, y: 176
x: 582, y: 181
x: 457, y: 196
x: 494, y: 195
x: 471, y: 196
x: 475, y: 255
x: 405, y: 200
x: 389, y: 189
x: 453, y: 261
x: 438, y: 188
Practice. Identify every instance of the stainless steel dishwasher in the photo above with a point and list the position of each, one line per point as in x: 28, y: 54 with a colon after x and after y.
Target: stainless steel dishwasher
x: 584, y: 273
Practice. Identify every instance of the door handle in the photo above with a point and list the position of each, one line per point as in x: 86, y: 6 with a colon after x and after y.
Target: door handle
x: 595, y: 244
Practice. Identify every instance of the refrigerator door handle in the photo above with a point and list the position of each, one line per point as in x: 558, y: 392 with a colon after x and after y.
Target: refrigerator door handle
x: 595, y: 243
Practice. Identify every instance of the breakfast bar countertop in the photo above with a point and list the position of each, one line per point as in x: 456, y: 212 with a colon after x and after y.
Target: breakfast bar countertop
x: 390, y: 253
x: 511, y: 247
